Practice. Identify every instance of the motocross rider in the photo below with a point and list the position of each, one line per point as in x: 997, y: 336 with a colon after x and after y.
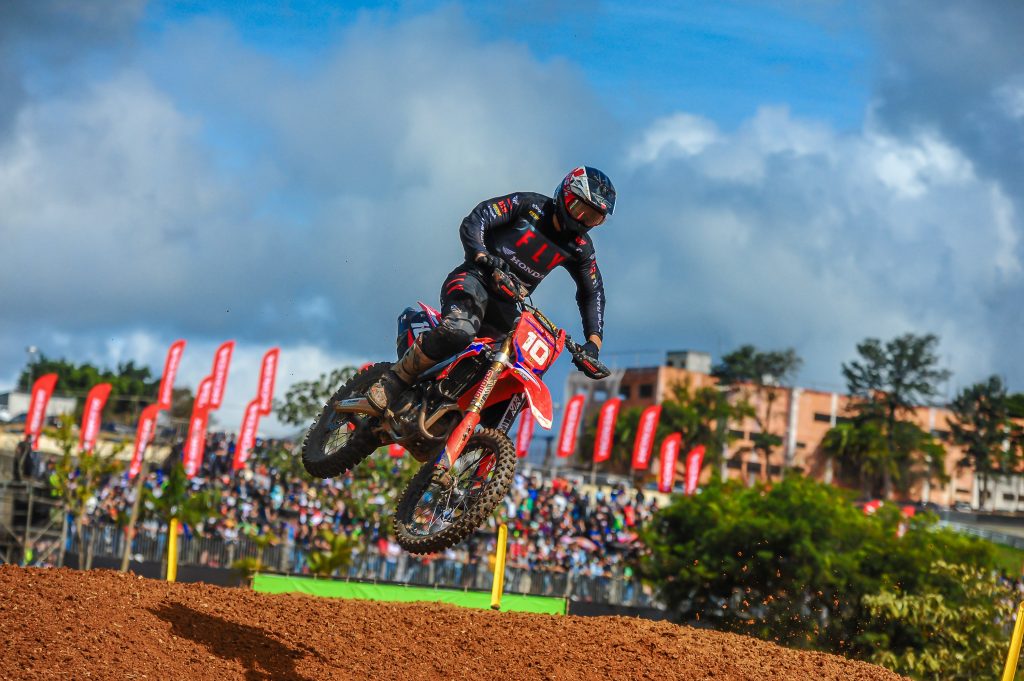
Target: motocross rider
x: 528, y: 235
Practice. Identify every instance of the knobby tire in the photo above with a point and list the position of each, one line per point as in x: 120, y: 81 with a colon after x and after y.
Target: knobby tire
x: 359, y: 445
x: 494, y: 491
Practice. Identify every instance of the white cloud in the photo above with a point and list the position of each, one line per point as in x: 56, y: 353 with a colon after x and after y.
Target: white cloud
x: 203, y: 189
x: 678, y: 135
x: 910, y: 167
x: 787, y: 233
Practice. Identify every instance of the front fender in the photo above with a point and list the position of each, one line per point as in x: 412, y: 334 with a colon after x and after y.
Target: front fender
x: 537, y: 394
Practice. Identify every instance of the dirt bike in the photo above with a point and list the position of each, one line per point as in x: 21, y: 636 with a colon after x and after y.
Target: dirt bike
x: 454, y: 419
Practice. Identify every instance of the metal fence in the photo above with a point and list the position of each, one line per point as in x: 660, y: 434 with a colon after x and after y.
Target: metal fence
x: 613, y: 587
x: 991, y: 535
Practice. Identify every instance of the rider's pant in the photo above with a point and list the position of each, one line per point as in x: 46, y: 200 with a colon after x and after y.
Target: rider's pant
x: 468, y: 310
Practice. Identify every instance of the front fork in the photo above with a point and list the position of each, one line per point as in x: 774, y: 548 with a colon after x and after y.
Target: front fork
x: 460, y: 436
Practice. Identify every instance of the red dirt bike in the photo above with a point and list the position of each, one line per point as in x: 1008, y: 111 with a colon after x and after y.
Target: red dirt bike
x: 454, y: 419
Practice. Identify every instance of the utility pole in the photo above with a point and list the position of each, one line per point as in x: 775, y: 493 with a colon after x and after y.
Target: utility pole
x: 32, y: 351
x: 129, y: 530
x: 548, y: 440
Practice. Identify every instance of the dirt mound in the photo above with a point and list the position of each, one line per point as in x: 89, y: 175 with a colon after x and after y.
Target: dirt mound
x: 69, y: 624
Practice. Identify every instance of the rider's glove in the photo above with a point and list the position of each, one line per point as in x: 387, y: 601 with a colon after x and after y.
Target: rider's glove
x: 586, y: 360
x: 492, y: 262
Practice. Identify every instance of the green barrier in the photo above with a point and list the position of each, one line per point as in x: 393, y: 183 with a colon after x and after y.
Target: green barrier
x: 405, y: 594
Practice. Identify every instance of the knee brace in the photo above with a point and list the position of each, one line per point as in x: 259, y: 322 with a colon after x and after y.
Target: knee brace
x: 456, y: 331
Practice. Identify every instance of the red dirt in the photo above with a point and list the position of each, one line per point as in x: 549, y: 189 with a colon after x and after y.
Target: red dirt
x: 100, y: 624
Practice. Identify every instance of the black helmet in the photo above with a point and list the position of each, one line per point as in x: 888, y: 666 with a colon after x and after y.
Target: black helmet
x: 584, y: 199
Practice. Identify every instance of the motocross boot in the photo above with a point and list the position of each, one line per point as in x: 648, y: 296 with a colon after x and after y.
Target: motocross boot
x: 400, y: 376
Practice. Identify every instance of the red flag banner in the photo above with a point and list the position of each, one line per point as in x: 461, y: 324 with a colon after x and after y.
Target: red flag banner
x: 164, y: 397
x: 606, y: 429
x: 669, y: 455
x: 195, y: 443
x: 644, y: 442
x: 41, y: 391
x: 143, y: 436
x: 203, y: 392
x: 694, y: 461
x: 525, y: 433
x: 570, y: 424
x: 219, y: 374
x: 91, y: 416
x: 872, y: 506
x: 247, y: 435
x: 268, y: 371
x: 395, y: 451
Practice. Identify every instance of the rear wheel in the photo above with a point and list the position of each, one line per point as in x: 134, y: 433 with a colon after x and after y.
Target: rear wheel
x: 336, y: 443
x: 434, y: 514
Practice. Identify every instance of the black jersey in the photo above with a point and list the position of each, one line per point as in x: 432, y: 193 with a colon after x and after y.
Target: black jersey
x: 518, y: 228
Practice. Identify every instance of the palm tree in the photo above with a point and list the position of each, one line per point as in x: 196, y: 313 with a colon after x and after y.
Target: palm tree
x: 758, y: 377
x: 982, y: 427
x: 890, y: 380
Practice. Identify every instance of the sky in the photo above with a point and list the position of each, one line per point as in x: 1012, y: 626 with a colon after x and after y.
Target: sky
x: 790, y: 174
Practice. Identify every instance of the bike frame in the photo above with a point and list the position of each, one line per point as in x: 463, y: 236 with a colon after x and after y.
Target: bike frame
x: 526, y: 353
x: 529, y: 349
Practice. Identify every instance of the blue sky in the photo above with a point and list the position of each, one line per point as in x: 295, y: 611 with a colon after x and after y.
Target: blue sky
x: 791, y: 174
x: 721, y: 59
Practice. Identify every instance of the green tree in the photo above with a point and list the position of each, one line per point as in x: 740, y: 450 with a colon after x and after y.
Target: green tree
x: 792, y: 562
x: 757, y: 377
x: 182, y: 400
x: 1015, y: 405
x: 249, y: 566
x: 982, y: 426
x: 865, y: 455
x: 702, y: 417
x: 956, y: 629
x: 77, y: 478
x: 330, y: 552
x: 890, y: 380
x: 174, y: 498
x: 280, y: 456
x: 305, y: 399
x: 132, y: 387
x: 858, y: 447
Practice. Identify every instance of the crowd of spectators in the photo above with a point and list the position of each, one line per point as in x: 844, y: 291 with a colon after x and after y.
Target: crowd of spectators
x: 558, y: 528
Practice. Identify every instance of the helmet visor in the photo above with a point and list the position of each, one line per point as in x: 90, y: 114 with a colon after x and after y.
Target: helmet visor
x: 581, y: 211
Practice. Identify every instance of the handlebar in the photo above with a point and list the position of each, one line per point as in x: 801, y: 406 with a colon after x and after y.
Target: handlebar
x: 590, y: 366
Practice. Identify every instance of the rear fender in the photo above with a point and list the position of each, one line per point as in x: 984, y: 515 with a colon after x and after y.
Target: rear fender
x: 433, y: 316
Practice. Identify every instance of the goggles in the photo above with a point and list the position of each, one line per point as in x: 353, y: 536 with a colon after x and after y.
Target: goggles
x: 581, y: 211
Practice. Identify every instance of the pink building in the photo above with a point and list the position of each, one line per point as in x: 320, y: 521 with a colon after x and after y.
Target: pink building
x: 801, y: 417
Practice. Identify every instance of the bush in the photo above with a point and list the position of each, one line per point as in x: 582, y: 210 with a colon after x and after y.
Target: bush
x: 797, y: 562
x: 958, y: 630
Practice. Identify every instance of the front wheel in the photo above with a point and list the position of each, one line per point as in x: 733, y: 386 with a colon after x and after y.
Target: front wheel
x: 434, y: 514
x: 336, y: 443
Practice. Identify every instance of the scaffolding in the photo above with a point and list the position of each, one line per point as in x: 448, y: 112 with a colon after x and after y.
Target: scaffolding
x: 32, y: 524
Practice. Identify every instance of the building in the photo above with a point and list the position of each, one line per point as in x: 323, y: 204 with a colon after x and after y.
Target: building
x: 16, y: 404
x: 801, y: 417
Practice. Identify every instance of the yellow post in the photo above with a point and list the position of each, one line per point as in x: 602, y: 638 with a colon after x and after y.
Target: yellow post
x: 1011, y: 660
x: 172, y: 550
x: 499, y: 567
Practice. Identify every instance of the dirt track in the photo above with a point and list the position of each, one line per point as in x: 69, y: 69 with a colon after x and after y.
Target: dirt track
x: 69, y: 624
